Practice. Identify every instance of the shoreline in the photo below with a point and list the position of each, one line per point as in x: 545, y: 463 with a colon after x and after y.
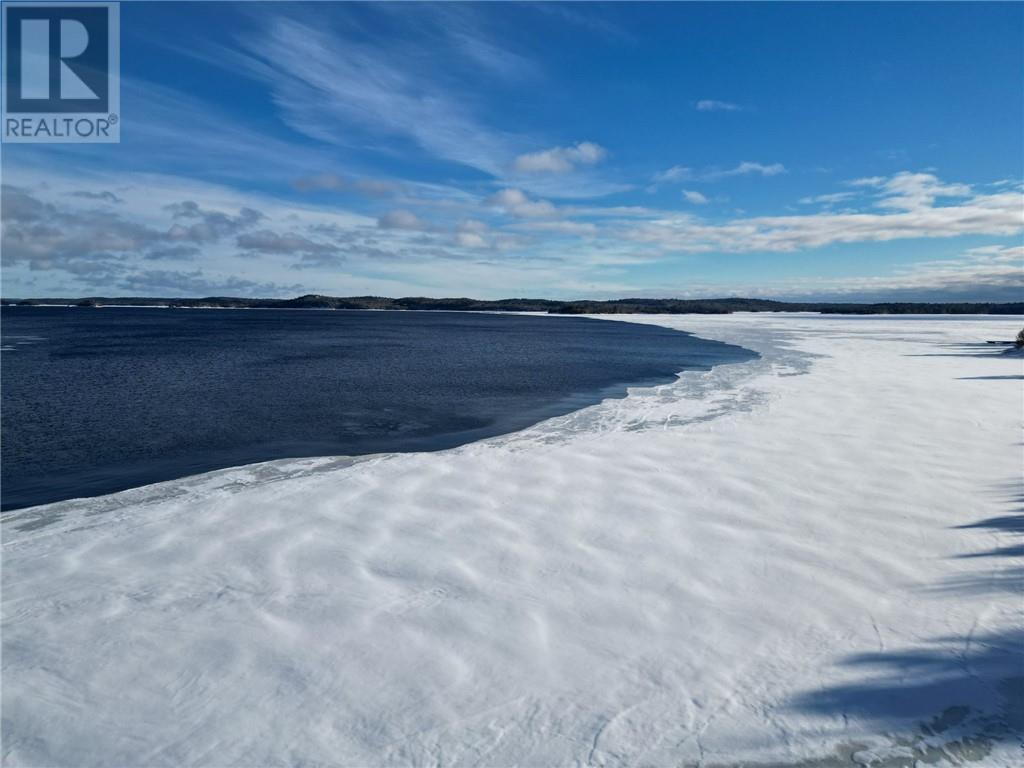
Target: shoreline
x: 97, y: 482
x: 761, y: 562
x: 565, y: 406
x: 580, y: 307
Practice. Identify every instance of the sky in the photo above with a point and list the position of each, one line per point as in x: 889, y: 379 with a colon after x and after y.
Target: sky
x: 847, y: 151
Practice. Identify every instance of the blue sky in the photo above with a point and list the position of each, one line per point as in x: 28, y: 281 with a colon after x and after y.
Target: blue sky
x: 854, y: 151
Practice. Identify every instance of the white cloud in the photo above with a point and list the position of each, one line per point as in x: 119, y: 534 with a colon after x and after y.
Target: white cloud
x: 472, y: 225
x: 673, y: 174
x: 377, y: 187
x: 401, y: 220
x: 694, y: 197
x: 829, y: 199
x: 321, y: 181
x: 910, y: 191
x: 994, y: 214
x: 560, y: 159
x: 868, y: 181
x: 333, y: 182
x: 84, y: 243
x: 472, y: 233
x: 470, y: 240
x: 713, y: 105
x: 747, y: 168
x: 268, y: 241
x: 996, y: 271
x: 679, y: 173
x: 564, y: 227
x: 989, y: 273
x: 515, y: 203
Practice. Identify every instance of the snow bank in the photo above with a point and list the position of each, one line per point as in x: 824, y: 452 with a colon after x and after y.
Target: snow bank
x: 813, y: 556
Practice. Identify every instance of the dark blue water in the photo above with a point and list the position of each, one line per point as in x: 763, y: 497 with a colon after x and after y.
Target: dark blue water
x: 99, y: 400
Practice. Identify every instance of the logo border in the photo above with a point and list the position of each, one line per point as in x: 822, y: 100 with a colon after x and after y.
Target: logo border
x: 113, y: 78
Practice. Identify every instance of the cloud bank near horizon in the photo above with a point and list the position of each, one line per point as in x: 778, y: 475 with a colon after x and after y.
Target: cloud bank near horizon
x: 98, y: 241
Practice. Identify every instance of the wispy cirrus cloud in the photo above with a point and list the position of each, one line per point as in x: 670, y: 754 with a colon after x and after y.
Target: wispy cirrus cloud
x: 428, y: 98
x: 493, y: 57
x: 340, y: 89
x: 680, y: 173
x: 174, y: 129
x: 714, y: 105
x: 674, y: 174
x: 829, y: 199
x: 593, y: 19
x: 333, y: 182
x: 746, y: 168
x: 333, y: 83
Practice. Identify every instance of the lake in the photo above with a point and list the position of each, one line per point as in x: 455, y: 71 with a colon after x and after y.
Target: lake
x: 100, y: 400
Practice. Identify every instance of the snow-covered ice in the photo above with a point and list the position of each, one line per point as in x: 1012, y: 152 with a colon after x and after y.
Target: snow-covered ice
x: 817, y: 556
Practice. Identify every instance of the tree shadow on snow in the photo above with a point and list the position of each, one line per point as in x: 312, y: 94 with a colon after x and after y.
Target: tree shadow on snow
x: 919, y: 683
x: 990, y: 378
x: 971, y: 349
x: 965, y: 693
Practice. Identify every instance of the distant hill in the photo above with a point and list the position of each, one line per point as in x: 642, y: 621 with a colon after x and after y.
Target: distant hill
x: 612, y: 307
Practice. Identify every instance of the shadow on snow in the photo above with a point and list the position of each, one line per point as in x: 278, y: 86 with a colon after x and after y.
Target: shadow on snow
x: 964, y: 693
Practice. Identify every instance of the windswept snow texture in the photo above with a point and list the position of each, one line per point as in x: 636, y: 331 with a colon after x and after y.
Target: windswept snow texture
x: 815, y: 559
